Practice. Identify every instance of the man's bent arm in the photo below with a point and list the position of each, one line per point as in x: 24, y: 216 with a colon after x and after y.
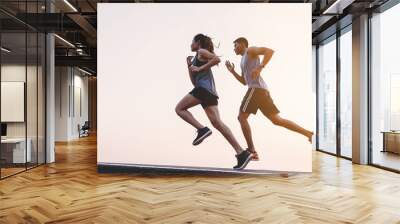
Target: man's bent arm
x: 266, y: 52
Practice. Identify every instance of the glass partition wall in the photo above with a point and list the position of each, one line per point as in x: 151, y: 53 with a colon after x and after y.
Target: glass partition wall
x: 13, y: 89
x: 22, y: 98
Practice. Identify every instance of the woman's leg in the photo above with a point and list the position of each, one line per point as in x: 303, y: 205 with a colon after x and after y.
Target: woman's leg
x: 182, y: 107
x: 213, y: 115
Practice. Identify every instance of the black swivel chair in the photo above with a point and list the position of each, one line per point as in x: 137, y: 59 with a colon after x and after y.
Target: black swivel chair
x: 84, y: 130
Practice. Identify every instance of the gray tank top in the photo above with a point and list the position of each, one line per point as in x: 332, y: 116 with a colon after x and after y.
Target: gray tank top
x: 247, y: 65
x: 204, y: 79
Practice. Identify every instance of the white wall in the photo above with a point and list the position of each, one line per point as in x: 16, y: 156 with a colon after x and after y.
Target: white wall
x: 62, y: 80
x: 142, y: 75
x: 80, y: 84
x: 68, y: 82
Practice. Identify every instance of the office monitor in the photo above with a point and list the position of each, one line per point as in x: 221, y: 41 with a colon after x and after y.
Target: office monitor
x: 3, y: 130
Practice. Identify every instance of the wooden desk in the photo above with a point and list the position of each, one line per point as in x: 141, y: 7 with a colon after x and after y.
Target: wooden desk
x: 391, y: 141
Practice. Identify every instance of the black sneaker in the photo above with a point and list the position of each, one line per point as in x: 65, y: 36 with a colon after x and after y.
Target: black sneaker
x: 243, y: 159
x: 201, y: 135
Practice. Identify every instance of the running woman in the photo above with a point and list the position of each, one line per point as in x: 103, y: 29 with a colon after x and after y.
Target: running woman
x: 257, y: 96
x: 205, y: 93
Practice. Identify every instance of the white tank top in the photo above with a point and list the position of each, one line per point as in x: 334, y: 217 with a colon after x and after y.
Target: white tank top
x: 247, y: 65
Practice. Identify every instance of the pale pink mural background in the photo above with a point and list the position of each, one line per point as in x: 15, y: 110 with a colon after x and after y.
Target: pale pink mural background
x: 142, y: 75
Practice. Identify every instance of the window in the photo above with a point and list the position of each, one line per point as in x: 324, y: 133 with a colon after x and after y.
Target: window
x: 327, y: 95
x: 385, y: 89
x: 346, y: 92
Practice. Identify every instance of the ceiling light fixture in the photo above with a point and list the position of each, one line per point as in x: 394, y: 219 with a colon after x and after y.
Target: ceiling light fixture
x: 64, y: 40
x: 70, y: 5
x: 5, y: 50
x: 84, y: 71
x: 337, y: 7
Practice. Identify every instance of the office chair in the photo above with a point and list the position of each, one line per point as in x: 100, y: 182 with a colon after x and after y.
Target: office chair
x: 84, y: 130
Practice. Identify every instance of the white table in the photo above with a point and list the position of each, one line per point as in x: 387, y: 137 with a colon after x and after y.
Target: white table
x: 19, y: 155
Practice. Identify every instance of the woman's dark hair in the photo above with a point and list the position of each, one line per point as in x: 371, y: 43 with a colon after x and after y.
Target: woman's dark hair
x: 205, y: 42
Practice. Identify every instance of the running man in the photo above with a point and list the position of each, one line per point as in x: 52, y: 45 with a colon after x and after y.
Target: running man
x: 257, y: 96
x: 205, y: 93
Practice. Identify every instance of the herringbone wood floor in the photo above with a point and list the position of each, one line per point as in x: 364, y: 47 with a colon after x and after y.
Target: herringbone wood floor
x: 71, y: 191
